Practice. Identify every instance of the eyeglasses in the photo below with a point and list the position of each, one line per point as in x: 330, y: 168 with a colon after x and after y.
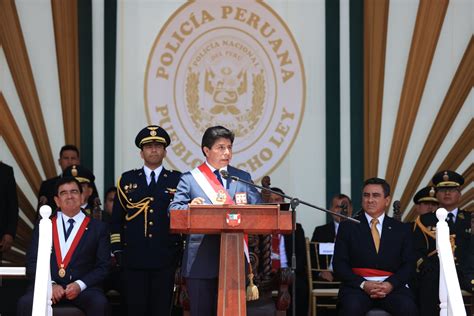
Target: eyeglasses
x: 71, y: 192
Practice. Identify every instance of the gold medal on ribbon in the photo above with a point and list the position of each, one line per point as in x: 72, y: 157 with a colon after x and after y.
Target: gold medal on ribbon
x: 62, y: 272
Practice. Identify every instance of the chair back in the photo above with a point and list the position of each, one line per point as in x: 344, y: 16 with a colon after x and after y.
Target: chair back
x: 318, y: 263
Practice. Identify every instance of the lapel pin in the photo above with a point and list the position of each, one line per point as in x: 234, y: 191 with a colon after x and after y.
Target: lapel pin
x: 165, y: 175
x: 389, y: 227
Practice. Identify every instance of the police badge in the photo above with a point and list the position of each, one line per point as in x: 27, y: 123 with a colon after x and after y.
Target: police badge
x: 221, y: 196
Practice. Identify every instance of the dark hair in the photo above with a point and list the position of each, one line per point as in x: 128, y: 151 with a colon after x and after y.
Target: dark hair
x: 341, y: 196
x: 65, y: 180
x: 68, y: 147
x: 277, y: 190
x: 382, y: 182
x: 111, y: 189
x: 214, y: 133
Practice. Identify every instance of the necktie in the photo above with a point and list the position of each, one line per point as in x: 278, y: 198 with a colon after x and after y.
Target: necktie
x: 69, y: 229
x: 218, y: 175
x: 276, y: 263
x: 375, y: 233
x: 152, y: 184
x: 450, y: 221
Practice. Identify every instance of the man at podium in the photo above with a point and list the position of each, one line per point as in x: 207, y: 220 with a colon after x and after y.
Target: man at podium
x: 204, y: 185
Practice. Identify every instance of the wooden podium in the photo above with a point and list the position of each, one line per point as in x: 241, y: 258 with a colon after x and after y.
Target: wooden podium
x: 231, y: 222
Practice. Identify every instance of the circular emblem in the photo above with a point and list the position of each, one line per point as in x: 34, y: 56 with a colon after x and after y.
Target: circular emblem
x: 233, y: 64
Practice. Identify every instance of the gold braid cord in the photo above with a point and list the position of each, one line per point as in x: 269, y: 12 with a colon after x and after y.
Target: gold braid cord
x: 432, y: 234
x: 426, y: 232
x: 141, y: 206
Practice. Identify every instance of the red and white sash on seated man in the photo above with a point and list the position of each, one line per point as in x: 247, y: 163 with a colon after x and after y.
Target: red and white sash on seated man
x: 216, y: 192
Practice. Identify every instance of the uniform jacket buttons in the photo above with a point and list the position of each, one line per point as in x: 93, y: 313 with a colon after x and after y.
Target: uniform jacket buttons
x: 150, y: 235
x: 151, y: 211
x: 152, y: 199
x: 150, y: 223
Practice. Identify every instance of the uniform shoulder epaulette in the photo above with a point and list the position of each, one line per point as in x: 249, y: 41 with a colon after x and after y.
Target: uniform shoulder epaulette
x: 129, y: 172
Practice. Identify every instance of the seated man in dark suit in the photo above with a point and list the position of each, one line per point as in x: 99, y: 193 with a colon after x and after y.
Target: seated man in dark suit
x: 77, y: 277
x: 340, y: 203
x: 374, y: 259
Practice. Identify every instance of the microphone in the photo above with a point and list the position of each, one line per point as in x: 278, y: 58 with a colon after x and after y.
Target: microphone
x: 224, y: 173
x: 397, y: 214
x: 293, y: 201
x: 97, y: 201
x: 396, y: 204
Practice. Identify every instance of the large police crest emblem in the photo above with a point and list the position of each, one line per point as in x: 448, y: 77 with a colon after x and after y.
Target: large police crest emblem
x: 229, y: 63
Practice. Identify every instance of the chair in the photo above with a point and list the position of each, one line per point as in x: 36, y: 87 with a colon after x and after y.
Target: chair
x: 67, y: 310
x: 468, y: 301
x: 318, y: 263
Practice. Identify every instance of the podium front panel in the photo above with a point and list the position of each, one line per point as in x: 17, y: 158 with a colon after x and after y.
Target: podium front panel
x: 215, y: 219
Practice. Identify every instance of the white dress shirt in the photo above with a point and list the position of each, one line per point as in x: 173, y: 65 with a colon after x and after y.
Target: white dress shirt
x: 148, y: 173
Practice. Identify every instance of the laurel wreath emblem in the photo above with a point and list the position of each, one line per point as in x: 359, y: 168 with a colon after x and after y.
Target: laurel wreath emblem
x: 241, y: 124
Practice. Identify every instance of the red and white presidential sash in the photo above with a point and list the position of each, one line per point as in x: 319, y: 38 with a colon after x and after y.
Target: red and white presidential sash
x: 215, y: 191
x: 63, y: 263
x: 208, y: 182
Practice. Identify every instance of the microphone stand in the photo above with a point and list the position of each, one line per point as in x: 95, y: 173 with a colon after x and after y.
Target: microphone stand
x: 294, y: 202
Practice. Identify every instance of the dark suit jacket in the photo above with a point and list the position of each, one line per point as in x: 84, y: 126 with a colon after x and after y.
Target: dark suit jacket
x: 201, y: 256
x: 158, y: 248
x: 355, y: 249
x: 8, y: 201
x: 90, y: 262
x: 324, y: 233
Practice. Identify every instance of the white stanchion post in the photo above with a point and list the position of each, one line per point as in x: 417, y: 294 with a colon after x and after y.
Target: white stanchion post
x: 451, y: 302
x: 43, y: 290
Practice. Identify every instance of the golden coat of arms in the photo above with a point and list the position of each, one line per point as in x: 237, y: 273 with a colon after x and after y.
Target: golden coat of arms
x: 234, y: 64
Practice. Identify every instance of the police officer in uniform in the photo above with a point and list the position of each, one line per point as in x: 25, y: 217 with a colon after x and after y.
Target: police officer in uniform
x: 140, y: 237
x: 425, y: 201
x: 448, y: 193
